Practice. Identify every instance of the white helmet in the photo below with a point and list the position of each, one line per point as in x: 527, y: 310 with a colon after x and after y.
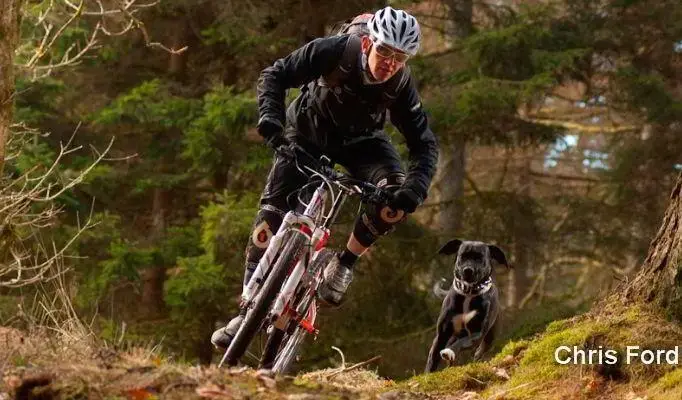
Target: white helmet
x: 395, y: 28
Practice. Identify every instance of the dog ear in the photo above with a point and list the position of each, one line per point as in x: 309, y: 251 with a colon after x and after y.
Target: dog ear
x: 450, y: 247
x: 498, y: 255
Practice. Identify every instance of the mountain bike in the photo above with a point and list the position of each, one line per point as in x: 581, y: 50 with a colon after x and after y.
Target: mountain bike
x: 281, y: 296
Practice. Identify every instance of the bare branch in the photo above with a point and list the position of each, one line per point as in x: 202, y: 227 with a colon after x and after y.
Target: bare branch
x: 140, y: 25
x: 27, y: 208
x: 102, y: 12
x: 40, y: 62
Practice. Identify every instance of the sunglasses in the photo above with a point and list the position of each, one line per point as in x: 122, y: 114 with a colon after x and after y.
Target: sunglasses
x: 386, y: 52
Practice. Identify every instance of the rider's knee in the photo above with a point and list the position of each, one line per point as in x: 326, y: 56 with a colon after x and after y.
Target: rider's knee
x: 377, y: 221
x: 391, y: 181
x: 265, y: 226
x: 374, y: 223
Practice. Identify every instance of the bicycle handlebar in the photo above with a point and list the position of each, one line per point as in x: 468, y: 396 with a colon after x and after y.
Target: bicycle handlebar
x: 368, y: 192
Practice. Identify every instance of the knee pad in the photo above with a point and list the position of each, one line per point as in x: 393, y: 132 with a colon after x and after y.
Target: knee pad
x: 379, y: 216
x: 265, y: 226
x: 370, y: 226
x: 376, y: 221
x: 392, y: 181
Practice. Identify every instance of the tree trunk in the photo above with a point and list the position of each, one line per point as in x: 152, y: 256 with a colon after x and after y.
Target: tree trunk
x: 518, y: 277
x: 461, y: 13
x: 659, y: 281
x: 10, y: 18
x: 448, y: 185
x: 451, y: 169
x: 154, y: 278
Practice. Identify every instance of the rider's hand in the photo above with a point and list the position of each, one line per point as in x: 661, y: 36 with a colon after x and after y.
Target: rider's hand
x: 405, y: 199
x: 272, y: 132
x: 276, y: 141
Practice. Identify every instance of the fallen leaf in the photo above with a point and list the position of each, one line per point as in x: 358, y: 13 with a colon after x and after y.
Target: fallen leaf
x: 593, y: 385
x: 139, y: 394
x: 12, y: 381
x: 213, y: 391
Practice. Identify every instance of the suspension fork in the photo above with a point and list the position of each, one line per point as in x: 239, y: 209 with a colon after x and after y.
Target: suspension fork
x: 276, y: 243
x: 306, y: 223
x: 318, y: 236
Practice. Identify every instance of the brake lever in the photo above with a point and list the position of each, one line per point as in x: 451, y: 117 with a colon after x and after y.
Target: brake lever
x: 384, y: 197
x: 286, y: 151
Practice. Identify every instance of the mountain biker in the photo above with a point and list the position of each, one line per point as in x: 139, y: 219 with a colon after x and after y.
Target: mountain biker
x: 344, y: 121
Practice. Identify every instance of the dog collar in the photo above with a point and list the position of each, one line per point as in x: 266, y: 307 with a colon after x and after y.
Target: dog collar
x: 467, y: 289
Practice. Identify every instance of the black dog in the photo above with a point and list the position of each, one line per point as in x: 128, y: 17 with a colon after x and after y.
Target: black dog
x: 469, y: 312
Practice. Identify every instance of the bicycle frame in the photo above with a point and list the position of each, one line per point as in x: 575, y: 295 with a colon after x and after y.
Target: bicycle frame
x: 318, y: 236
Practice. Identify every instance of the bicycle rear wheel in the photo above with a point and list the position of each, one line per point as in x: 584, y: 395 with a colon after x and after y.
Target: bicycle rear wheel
x: 255, y: 317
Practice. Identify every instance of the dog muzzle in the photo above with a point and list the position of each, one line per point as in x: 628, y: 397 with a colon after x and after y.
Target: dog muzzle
x: 472, y: 289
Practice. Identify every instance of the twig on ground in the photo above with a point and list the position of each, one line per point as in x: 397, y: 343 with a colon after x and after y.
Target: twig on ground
x: 343, y: 358
x: 354, y: 366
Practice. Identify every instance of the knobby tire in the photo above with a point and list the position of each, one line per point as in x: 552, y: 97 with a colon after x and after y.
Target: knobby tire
x: 253, y: 321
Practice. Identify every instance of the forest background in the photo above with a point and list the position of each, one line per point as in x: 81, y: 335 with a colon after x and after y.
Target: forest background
x: 558, y: 123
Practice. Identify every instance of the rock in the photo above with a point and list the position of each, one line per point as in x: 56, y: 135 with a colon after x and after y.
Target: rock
x: 502, y: 373
x: 304, y: 396
x: 213, y: 391
x: 634, y: 396
x: 267, y: 381
x: 400, y: 395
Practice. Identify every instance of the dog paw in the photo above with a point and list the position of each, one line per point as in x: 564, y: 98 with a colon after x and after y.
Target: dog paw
x: 447, y: 355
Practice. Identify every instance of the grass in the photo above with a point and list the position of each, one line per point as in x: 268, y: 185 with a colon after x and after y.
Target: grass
x: 49, y: 368
x: 523, y: 369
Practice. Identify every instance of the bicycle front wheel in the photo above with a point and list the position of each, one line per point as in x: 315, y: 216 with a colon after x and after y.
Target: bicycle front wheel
x: 256, y: 315
x: 291, y: 343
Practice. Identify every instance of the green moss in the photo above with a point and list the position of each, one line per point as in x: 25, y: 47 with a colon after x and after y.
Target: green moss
x: 307, y: 384
x: 633, y: 314
x: 543, y: 350
x: 672, y: 379
x: 538, y: 365
x: 556, y: 326
x: 511, y: 348
x: 472, y: 376
x: 668, y: 387
x: 19, y: 361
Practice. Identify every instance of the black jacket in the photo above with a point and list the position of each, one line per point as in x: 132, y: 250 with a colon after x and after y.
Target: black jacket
x: 357, y: 109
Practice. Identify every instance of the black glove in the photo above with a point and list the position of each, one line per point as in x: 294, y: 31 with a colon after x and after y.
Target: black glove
x: 405, y: 199
x: 272, y: 132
